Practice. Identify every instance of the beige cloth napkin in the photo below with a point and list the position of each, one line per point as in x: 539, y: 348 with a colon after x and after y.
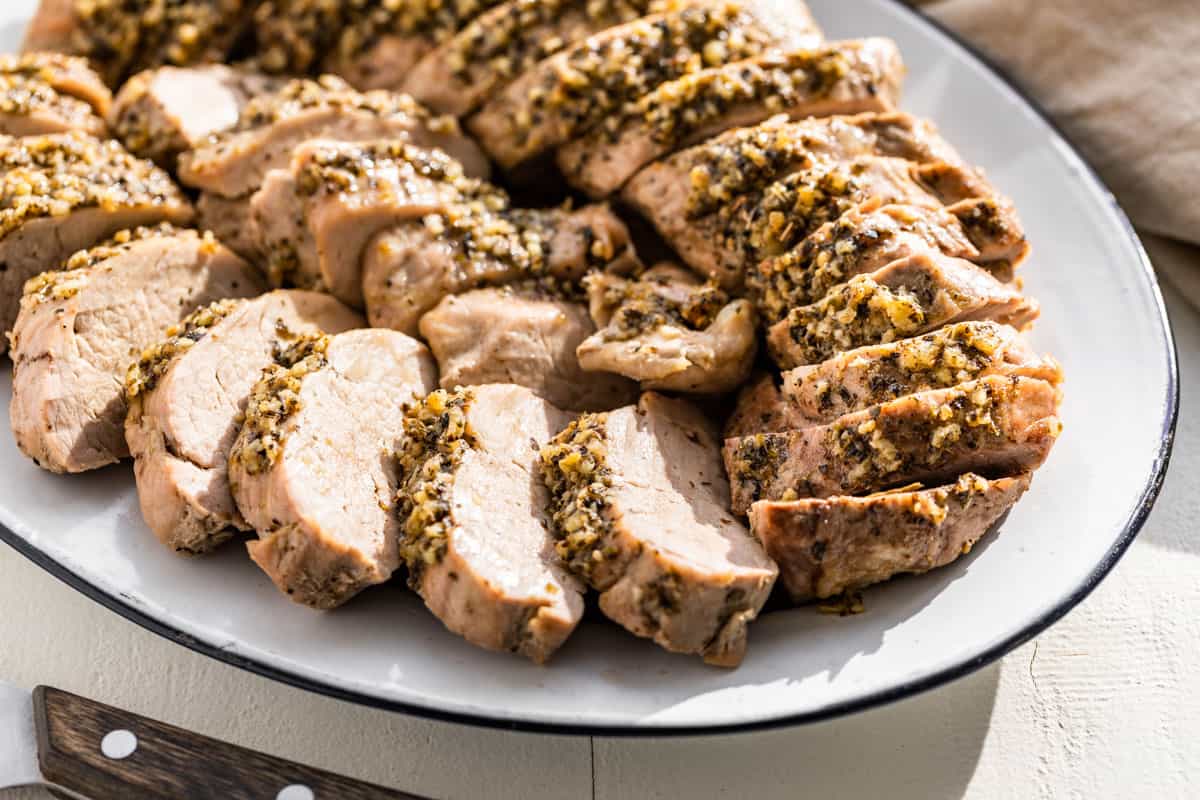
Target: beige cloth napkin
x: 1123, y: 81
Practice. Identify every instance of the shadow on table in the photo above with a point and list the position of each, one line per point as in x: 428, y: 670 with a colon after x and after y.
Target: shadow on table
x: 926, y: 747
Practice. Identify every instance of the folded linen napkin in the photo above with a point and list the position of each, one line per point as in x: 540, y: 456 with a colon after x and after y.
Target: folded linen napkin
x: 1123, y: 81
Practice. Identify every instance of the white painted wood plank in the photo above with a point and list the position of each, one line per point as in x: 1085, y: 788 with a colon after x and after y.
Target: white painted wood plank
x: 50, y: 634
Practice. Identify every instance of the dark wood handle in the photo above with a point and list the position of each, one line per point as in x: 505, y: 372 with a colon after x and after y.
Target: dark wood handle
x: 168, y: 762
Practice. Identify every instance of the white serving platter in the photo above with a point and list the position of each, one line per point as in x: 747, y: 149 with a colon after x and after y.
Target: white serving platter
x: 1102, y: 316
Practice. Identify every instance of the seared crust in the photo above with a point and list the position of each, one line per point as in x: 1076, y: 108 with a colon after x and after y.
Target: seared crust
x: 840, y: 544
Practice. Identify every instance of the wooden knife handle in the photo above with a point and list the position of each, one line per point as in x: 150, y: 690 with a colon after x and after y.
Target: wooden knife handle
x: 167, y: 762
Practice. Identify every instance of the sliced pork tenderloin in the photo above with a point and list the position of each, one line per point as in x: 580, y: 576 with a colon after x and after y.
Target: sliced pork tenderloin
x: 907, y: 298
x: 380, y: 43
x: 571, y: 92
x: 500, y: 44
x: 409, y: 269
x: 868, y: 238
x: 44, y: 93
x: 640, y: 512
x: 234, y: 163
x: 70, y: 76
x: 79, y: 329
x: 521, y: 336
x: 186, y: 396
x: 830, y: 546
x: 63, y: 193
x: 314, y: 220
x: 475, y: 530
x: 997, y: 425
x: 312, y: 469
x: 120, y: 37
x: 160, y: 113
x: 869, y: 376
x: 292, y: 37
x: 848, y: 77
x: 670, y: 331
x: 231, y: 222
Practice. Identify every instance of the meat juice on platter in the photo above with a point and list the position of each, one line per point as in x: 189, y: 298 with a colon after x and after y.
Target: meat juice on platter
x: 362, y: 358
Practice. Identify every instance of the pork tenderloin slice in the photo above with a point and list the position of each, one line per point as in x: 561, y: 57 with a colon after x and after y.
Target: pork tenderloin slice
x: 996, y: 425
x: 571, y: 92
x: 380, y: 43
x: 868, y: 238
x: 640, y: 511
x: 79, y: 328
x: 697, y: 181
x: 841, y: 544
x: 187, y: 394
x: 314, y: 219
x: 292, y: 36
x: 875, y: 374
x: 476, y: 534
x: 121, y: 37
x: 30, y: 107
x: 848, y: 77
x: 409, y: 269
x: 725, y: 244
x: 528, y: 338
x: 62, y: 193
x: 670, y: 331
x: 760, y: 408
x: 496, y: 47
x: 312, y: 469
x: 67, y: 75
x: 907, y: 298
x: 160, y: 113
x: 234, y: 163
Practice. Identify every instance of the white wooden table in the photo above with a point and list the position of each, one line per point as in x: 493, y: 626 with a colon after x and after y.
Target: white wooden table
x: 1104, y: 705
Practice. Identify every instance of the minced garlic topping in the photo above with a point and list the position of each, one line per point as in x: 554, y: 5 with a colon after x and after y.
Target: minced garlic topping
x: 51, y: 176
x: 437, y: 435
x: 22, y: 95
x: 575, y: 469
x: 274, y: 400
x: 855, y: 314
x: 646, y: 305
x: 144, y: 374
x: 599, y: 79
x: 292, y: 35
x: 502, y: 46
x: 437, y: 20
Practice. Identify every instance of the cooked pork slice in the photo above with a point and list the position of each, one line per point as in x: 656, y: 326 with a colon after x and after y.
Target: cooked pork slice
x: 121, y: 37
x: 909, y: 297
x: 703, y: 199
x: 640, y: 511
x: 997, y: 425
x: 186, y: 394
x: 569, y: 93
x: 475, y: 530
x: 836, y: 78
x: 527, y: 338
x: 867, y: 238
x: 380, y: 42
x: 68, y: 75
x: 725, y: 243
x: 868, y: 376
x: 992, y: 225
x: 313, y: 469
x: 841, y: 544
x: 670, y: 331
x: 62, y: 193
x: 292, y: 36
x: 409, y: 269
x: 80, y: 327
x: 314, y: 219
x: 160, y: 113
x: 760, y: 408
x: 235, y: 162
x: 50, y: 93
x: 497, y: 46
